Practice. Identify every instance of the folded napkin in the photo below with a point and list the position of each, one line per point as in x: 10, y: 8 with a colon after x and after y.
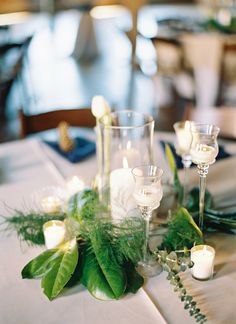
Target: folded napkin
x: 83, y: 149
x: 221, y: 155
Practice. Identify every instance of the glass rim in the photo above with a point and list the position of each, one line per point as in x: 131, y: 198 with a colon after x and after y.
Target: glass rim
x: 149, y: 119
x: 146, y: 166
x: 202, y: 247
x: 196, y: 128
x: 52, y: 222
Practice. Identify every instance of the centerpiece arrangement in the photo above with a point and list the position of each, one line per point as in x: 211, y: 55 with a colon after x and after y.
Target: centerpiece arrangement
x: 96, y: 240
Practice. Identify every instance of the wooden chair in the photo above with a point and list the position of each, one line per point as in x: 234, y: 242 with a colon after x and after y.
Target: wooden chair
x: 31, y: 124
x: 10, y: 72
x: 223, y: 117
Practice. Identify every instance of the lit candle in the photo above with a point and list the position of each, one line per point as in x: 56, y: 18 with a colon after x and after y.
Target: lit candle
x: 51, y: 204
x: 54, y: 233
x: 203, y: 258
x: 121, y: 191
x: 202, y: 153
x: 128, y: 156
x: 184, y: 137
x: 148, y: 196
x: 74, y: 185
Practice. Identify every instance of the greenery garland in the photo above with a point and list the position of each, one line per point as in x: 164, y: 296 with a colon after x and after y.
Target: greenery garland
x: 101, y: 254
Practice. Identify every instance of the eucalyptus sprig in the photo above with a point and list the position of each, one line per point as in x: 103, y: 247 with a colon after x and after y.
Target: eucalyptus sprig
x: 173, y: 265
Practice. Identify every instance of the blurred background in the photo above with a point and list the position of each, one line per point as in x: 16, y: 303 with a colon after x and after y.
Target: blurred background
x: 172, y: 59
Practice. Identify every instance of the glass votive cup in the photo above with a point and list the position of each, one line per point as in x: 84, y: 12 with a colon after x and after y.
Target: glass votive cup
x: 50, y: 200
x: 54, y: 233
x: 203, y: 257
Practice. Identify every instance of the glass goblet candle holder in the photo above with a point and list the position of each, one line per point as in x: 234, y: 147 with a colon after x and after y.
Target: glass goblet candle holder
x: 183, y: 144
x: 147, y: 194
x: 204, y: 149
x: 50, y: 199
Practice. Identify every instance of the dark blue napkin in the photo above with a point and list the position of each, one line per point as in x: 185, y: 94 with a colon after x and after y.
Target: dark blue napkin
x: 83, y: 149
x: 221, y: 155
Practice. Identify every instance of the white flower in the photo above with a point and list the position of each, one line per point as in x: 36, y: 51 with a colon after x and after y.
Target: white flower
x: 100, y: 106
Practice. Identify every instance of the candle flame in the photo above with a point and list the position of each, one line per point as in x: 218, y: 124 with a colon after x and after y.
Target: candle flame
x: 187, y: 125
x: 128, y: 145
x: 125, y: 163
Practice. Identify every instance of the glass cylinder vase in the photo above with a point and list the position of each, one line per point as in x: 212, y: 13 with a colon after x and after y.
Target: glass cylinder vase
x: 124, y: 140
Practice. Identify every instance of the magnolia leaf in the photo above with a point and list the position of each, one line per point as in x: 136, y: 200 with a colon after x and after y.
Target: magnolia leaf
x: 134, y: 280
x: 170, y: 158
x: 39, y: 266
x: 106, y: 258
x: 102, y: 274
x: 193, y: 200
x: 61, y: 270
x: 93, y: 278
x: 189, y: 218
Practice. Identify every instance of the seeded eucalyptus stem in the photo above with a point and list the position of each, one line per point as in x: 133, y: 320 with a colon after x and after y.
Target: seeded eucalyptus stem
x: 173, y: 264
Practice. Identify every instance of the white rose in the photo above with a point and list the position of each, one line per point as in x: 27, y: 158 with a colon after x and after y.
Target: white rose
x: 100, y: 106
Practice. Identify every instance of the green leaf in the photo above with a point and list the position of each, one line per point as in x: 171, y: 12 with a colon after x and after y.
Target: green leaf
x: 105, y: 255
x: 182, y: 232
x: 173, y: 168
x: 39, y: 266
x: 61, y: 270
x: 93, y: 278
x: 225, y: 224
x: 84, y: 205
x: 76, y: 276
x: 103, y: 275
x: 193, y: 200
x: 134, y: 280
x: 170, y: 158
x: 190, y: 220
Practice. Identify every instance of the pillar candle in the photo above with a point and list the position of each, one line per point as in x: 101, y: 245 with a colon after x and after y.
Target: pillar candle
x: 121, y: 192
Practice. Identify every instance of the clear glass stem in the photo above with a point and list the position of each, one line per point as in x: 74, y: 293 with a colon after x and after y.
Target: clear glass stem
x: 146, y: 239
x: 202, y: 171
x: 186, y: 160
x: 146, y: 214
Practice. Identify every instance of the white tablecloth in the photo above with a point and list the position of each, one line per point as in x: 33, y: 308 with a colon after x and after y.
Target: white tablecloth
x: 26, y: 166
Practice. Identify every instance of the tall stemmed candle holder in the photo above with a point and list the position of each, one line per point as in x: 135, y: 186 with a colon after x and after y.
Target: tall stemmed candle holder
x: 204, y: 149
x: 147, y: 194
x: 184, y: 139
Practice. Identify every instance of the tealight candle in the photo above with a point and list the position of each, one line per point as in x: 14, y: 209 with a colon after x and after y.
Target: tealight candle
x: 184, y: 137
x: 203, y: 258
x: 74, y: 185
x: 54, y: 233
x: 149, y: 196
x: 203, y: 153
x: 51, y: 204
